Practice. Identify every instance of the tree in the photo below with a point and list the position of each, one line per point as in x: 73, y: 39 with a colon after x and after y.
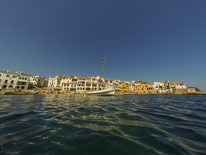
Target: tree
x: 197, y: 89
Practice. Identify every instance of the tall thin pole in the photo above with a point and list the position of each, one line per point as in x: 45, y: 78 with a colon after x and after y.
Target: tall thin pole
x: 103, y: 64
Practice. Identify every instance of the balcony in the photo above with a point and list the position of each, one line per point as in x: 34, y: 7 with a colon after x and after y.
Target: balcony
x: 21, y: 83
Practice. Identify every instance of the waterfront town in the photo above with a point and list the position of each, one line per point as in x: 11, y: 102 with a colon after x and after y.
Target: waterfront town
x: 78, y: 85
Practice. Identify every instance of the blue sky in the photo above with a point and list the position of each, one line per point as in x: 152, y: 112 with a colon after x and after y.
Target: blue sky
x: 148, y: 40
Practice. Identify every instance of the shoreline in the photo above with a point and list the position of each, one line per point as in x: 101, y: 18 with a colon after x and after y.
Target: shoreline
x: 115, y: 94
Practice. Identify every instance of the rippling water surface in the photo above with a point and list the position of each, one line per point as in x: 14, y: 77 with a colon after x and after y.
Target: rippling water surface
x: 130, y: 124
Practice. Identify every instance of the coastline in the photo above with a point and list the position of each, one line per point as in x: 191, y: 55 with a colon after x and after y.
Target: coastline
x: 179, y: 92
x: 119, y: 94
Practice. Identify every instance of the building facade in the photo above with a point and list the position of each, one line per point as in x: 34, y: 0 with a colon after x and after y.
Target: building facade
x: 17, y: 80
x: 80, y: 85
x: 39, y: 81
x: 55, y: 81
x: 125, y: 87
x: 180, y: 85
x: 143, y: 87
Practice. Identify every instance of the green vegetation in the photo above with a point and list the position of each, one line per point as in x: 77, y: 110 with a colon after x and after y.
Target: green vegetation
x: 197, y: 89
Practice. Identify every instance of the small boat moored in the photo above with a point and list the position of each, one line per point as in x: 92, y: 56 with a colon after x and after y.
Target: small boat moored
x: 106, y: 92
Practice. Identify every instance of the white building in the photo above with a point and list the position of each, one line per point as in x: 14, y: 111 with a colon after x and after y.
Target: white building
x: 79, y: 84
x: 39, y: 81
x: 55, y: 81
x: 132, y: 86
x: 160, y: 86
x: 164, y: 87
x: 180, y: 85
x: 69, y: 83
x: 14, y: 80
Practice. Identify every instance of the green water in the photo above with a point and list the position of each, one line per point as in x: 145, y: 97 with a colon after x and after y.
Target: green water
x: 93, y: 125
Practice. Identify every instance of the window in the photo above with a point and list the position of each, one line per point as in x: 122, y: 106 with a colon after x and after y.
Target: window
x: 7, y: 75
x: 5, y: 81
x: 12, y: 81
x: 74, y: 85
x: 25, y: 78
x: 13, y: 76
x: 19, y: 77
x: 22, y: 78
x: 0, y: 75
x: 71, y: 85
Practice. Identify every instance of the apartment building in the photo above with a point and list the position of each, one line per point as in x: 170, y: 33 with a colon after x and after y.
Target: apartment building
x: 144, y: 87
x: 164, y: 86
x: 39, y: 81
x: 90, y: 83
x: 17, y: 80
x: 55, y: 81
x: 69, y: 83
x: 79, y: 84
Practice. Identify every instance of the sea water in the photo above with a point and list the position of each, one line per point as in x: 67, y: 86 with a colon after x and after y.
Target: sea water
x: 94, y: 125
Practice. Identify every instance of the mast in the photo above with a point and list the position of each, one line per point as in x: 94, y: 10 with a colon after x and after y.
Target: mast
x: 103, y: 58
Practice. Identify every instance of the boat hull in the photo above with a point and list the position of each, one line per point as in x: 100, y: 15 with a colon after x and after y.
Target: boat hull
x: 109, y: 92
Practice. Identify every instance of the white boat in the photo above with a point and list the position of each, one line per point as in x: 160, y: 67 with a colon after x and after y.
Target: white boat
x: 106, y: 92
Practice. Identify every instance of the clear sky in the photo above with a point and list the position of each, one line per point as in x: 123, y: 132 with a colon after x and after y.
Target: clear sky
x: 148, y: 40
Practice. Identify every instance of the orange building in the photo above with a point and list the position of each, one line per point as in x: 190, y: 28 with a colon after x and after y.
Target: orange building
x: 143, y: 87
